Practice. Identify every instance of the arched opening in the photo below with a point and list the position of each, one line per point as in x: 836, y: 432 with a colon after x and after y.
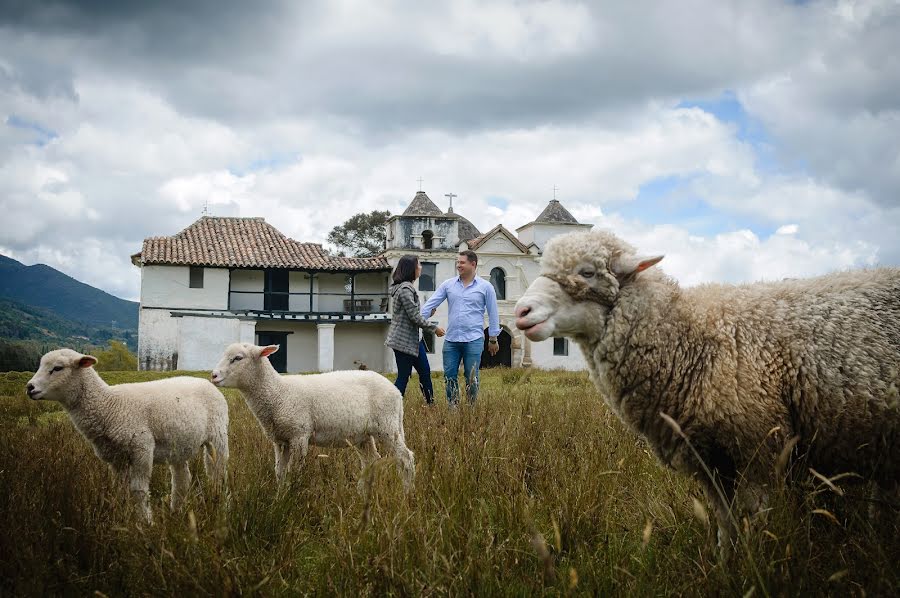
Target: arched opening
x: 503, y: 356
x: 427, y: 239
x: 498, y: 280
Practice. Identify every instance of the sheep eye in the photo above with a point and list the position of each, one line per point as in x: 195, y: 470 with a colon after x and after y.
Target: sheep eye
x: 57, y: 369
x: 236, y: 358
x: 586, y: 273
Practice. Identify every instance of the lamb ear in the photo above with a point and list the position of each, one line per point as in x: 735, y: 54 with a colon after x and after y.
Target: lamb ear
x: 87, y: 361
x: 266, y: 351
x: 626, y: 266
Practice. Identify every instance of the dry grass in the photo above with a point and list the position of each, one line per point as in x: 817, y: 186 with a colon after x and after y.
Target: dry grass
x: 537, y: 490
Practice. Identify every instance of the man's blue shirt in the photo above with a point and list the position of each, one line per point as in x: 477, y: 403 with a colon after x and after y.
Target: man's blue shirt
x: 466, y: 306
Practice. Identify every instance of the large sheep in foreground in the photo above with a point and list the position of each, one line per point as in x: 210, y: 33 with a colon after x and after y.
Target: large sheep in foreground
x: 744, y: 371
x: 354, y: 407
x: 133, y: 426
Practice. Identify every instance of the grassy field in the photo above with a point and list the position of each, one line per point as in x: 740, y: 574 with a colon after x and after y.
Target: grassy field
x: 537, y: 490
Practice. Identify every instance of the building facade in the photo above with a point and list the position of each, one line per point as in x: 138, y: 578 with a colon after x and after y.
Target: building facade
x: 224, y: 280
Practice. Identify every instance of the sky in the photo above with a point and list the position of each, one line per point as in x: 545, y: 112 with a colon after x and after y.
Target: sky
x: 744, y: 140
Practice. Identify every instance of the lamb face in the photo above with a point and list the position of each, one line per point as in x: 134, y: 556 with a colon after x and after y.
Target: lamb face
x: 51, y: 381
x: 547, y: 310
x: 581, y: 276
x: 239, y: 365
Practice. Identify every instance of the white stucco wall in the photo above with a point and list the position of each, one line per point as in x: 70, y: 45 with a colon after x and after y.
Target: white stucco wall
x: 542, y: 356
x: 301, y: 343
x: 157, y: 340
x: 202, y: 341
x: 352, y: 342
x: 540, y: 233
x: 168, y: 286
x: 360, y: 342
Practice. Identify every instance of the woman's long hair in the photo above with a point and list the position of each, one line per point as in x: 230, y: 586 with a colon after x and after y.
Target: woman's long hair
x: 406, y: 269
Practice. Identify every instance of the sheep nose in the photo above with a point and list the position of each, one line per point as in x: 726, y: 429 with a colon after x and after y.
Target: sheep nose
x: 522, y: 311
x: 29, y: 388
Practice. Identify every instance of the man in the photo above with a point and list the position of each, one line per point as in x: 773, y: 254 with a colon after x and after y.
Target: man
x: 468, y: 296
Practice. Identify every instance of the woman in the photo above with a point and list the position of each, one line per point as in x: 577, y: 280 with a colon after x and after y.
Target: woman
x: 403, y: 336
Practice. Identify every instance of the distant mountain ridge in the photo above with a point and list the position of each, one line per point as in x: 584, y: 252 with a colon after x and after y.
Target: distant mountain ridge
x: 48, y: 288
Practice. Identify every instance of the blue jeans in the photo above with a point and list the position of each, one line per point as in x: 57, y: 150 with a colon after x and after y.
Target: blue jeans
x: 470, y: 354
x: 405, y: 365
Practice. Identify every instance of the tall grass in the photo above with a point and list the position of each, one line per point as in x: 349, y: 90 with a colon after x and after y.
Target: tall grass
x: 536, y: 490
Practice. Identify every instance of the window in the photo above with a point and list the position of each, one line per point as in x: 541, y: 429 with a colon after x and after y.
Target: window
x: 560, y: 346
x: 427, y: 239
x: 428, y: 337
x: 498, y: 279
x: 426, y: 279
x: 196, y: 277
x: 276, y: 296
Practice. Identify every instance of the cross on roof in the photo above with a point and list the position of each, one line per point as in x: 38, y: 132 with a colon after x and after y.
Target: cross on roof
x: 451, y: 196
x: 555, y: 189
x: 420, y: 183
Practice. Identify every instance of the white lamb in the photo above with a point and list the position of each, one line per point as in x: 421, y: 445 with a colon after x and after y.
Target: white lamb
x: 133, y: 426
x: 327, y: 410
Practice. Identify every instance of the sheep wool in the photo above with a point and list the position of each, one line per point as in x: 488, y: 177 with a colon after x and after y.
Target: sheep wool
x: 133, y: 426
x: 355, y: 407
x: 743, y: 370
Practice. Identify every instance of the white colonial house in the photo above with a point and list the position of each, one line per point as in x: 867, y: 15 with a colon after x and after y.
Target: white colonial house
x: 223, y: 280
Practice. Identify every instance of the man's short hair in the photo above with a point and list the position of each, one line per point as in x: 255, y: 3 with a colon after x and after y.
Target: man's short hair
x: 470, y: 255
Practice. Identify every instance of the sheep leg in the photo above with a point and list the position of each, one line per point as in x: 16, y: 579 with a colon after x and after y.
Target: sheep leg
x: 368, y: 454
x: 406, y: 464
x: 139, y: 473
x: 280, y: 459
x: 181, y: 483
x: 286, y: 454
x: 215, y: 462
x: 715, y: 491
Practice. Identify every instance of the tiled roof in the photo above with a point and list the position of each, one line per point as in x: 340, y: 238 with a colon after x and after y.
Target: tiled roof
x: 477, y: 242
x: 555, y: 213
x: 244, y: 243
x: 421, y: 205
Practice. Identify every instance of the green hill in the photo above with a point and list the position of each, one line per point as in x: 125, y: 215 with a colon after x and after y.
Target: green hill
x: 22, y: 322
x: 43, y: 309
x: 44, y: 287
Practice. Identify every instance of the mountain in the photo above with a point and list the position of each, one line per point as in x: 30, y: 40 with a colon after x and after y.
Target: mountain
x: 44, y: 287
x: 44, y: 328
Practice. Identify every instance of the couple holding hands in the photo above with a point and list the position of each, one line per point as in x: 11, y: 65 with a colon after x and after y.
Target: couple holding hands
x: 468, y: 297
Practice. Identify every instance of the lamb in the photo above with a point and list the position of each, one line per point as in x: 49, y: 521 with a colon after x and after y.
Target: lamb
x: 743, y: 372
x: 355, y: 407
x: 133, y: 426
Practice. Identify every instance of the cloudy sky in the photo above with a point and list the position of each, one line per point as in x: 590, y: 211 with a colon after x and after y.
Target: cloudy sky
x: 745, y: 140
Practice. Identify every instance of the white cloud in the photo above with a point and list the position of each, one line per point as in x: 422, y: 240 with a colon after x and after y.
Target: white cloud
x: 308, y: 113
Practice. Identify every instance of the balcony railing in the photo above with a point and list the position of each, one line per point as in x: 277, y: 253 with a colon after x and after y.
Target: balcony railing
x: 308, y: 303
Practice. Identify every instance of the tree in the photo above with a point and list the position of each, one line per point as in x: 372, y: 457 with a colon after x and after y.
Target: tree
x: 117, y: 358
x: 362, y: 235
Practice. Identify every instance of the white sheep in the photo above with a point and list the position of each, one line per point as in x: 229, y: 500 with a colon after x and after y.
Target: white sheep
x: 744, y: 371
x: 133, y: 426
x: 334, y: 409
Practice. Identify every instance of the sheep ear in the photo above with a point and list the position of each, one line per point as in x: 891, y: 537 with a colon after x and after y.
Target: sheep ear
x: 266, y: 351
x: 626, y: 266
x: 87, y: 361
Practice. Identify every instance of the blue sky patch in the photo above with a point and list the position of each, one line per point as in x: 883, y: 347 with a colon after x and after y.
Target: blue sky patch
x: 498, y: 202
x: 44, y: 135
x: 728, y: 109
x: 267, y: 163
x: 671, y: 200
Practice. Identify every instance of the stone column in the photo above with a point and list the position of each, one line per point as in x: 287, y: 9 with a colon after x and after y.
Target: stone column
x: 326, y: 347
x: 526, y: 359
